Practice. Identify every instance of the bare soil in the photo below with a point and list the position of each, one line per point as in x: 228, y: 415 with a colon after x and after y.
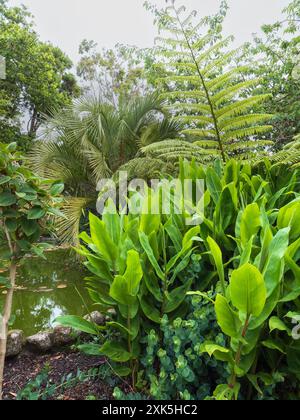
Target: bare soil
x: 26, y: 367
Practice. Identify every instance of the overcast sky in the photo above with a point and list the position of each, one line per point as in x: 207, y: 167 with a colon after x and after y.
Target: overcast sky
x: 66, y: 22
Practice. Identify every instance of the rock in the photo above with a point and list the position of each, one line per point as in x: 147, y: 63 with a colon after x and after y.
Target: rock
x: 41, y: 342
x: 96, y: 317
x: 64, y: 335
x: 15, y: 342
x: 110, y: 314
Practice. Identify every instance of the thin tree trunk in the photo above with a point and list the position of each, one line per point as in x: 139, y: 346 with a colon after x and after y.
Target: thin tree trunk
x: 7, y: 313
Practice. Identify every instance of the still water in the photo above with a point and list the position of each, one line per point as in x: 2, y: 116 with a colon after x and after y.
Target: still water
x: 47, y: 289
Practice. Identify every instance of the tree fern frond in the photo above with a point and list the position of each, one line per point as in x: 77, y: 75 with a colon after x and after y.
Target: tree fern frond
x: 183, y: 94
x: 188, y: 107
x: 214, y: 48
x: 243, y: 105
x: 244, y: 145
x: 243, y: 121
x: 216, y: 109
x: 229, y: 92
x: 246, y: 132
x: 206, y: 134
x: 220, y: 81
x: 197, y: 119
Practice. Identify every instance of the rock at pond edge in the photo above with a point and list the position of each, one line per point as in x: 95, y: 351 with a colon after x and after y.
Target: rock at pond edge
x: 41, y: 342
x: 15, y: 343
x: 64, y: 335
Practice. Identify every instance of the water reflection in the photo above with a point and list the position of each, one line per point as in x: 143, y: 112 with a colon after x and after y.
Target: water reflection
x: 47, y: 289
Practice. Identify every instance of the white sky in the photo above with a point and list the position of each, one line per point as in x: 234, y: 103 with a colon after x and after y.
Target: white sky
x: 67, y: 22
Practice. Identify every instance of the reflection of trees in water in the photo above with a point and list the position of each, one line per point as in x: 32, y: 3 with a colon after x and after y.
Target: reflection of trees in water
x: 36, y: 309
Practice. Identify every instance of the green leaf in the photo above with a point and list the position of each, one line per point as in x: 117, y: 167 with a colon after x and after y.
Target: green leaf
x: 149, y: 310
x: 248, y: 290
x: 11, y: 224
x: 119, y: 291
x: 213, y: 184
x: 90, y: 349
x: 150, y: 254
x: 102, y: 240
x: 36, y: 213
x: 134, y: 273
x: 218, y: 259
x: 122, y: 371
x: 276, y: 324
x: 274, y: 345
x: 227, y: 319
x: 219, y: 352
x: 176, y: 297
x: 250, y: 223
x: 7, y: 199
x: 29, y: 226
x: 275, y: 265
x: 115, y: 351
x: 78, y: 323
x: 57, y: 189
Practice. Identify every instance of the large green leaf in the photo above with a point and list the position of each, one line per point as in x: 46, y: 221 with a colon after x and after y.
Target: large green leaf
x: 115, y: 351
x: 150, y: 254
x: 213, y: 184
x: 102, y: 240
x: 273, y: 273
x: 78, y: 323
x: 247, y: 290
x: 250, y: 223
x: 218, y: 259
x: 149, y: 310
x: 134, y: 273
x: 119, y: 291
x: 289, y: 216
x: 227, y: 319
x: 176, y: 297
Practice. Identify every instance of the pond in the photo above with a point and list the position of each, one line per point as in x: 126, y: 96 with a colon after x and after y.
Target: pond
x: 47, y: 289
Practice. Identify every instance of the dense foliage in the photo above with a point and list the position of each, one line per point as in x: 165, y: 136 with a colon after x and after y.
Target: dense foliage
x: 248, y: 250
x: 38, y: 77
x: 202, y: 294
x: 25, y: 201
x: 91, y: 140
x: 275, y: 58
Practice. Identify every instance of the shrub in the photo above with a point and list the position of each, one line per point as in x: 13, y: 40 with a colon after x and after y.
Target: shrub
x: 181, y: 372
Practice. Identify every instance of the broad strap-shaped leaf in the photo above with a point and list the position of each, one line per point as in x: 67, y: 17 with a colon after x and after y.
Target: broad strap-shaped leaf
x: 248, y: 291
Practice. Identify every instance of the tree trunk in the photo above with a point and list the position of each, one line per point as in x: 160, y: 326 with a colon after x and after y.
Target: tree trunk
x: 7, y: 308
x: 5, y: 320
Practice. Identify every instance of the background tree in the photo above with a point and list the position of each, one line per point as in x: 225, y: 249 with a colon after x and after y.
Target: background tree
x: 275, y: 59
x: 25, y: 200
x: 38, y: 76
x: 122, y: 72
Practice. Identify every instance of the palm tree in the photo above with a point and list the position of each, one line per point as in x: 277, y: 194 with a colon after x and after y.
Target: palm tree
x: 91, y: 140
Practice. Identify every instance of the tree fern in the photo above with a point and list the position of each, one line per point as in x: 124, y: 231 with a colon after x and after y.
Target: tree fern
x: 204, y: 92
x: 289, y: 155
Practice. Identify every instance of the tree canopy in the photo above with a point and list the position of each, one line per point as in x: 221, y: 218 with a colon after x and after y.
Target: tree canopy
x: 38, y: 76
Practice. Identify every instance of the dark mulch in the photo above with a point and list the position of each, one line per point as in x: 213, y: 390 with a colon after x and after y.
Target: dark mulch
x: 19, y: 371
